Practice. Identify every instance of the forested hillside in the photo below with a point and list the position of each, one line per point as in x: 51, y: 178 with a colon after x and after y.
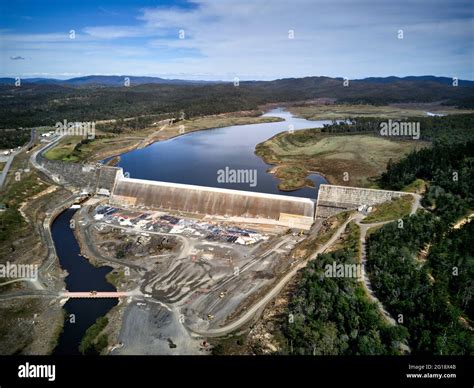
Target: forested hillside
x: 45, y: 104
x: 450, y: 128
x: 418, y: 290
x: 424, y: 270
x: 421, y: 269
x: 333, y: 316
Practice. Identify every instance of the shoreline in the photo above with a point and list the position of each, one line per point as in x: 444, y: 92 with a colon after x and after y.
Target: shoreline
x: 273, y: 170
x: 154, y: 137
x: 115, y: 155
x: 364, y: 154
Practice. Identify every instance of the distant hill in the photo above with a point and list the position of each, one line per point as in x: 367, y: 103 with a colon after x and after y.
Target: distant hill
x: 44, y: 102
x: 102, y: 80
x: 118, y: 80
x: 430, y: 78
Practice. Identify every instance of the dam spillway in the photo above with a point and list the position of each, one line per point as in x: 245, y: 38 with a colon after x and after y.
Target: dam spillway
x: 334, y: 199
x: 290, y: 211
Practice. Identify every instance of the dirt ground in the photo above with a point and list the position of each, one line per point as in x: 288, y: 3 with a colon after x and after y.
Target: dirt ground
x: 152, y: 329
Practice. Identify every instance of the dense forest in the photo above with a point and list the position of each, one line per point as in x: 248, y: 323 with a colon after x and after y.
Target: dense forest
x: 456, y: 252
x: 422, y: 269
x: 14, y: 138
x: 44, y: 104
x: 406, y: 284
x: 333, y: 315
x: 449, y: 128
x: 449, y: 169
x: 425, y: 270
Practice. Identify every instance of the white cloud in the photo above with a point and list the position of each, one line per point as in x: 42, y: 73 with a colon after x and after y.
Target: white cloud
x: 114, y: 32
x: 249, y: 39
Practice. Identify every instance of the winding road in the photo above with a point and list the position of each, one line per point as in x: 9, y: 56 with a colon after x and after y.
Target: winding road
x: 365, y: 278
x: 6, y: 168
x: 363, y: 258
x: 253, y: 310
x: 250, y: 313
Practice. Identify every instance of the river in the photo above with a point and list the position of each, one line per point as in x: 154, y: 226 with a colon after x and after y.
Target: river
x: 82, y: 276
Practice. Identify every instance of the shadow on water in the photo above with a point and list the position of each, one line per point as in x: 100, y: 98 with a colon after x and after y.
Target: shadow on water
x: 83, y: 276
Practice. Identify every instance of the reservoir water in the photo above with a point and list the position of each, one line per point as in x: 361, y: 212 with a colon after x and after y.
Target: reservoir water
x: 196, y: 158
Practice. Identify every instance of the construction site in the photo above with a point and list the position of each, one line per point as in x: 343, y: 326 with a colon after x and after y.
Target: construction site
x: 203, y: 272
x: 193, y: 262
x: 203, y: 258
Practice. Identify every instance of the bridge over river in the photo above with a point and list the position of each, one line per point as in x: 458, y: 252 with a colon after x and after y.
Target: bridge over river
x: 96, y: 294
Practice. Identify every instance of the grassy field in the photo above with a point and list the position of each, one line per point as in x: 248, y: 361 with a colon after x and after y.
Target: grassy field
x: 292, y: 176
x: 394, y: 111
x: 349, y: 238
x: 393, y: 210
x: 18, y: 191
x: 418, y: 186
x: 64, y: 149
x: 11, y: 221
x: 362, y: 157
x: 219, y: 121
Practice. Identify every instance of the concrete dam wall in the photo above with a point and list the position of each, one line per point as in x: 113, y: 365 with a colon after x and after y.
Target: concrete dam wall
x: 291, y: 211
x: 335, y: 199
x: 88, y: 177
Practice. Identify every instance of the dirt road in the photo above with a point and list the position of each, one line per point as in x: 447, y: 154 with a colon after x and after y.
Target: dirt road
x: 259, y: 306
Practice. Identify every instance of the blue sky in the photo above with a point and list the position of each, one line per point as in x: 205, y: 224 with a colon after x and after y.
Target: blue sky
x: 249, y: 39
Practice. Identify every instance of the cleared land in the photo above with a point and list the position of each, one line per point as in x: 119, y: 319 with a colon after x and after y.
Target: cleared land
x: 344, y: 111
x: 362, y: 157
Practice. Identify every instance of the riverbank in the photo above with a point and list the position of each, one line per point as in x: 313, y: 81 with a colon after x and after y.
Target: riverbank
x: 362, y: 158
x: 82, y: 276
x: 29, y: 325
